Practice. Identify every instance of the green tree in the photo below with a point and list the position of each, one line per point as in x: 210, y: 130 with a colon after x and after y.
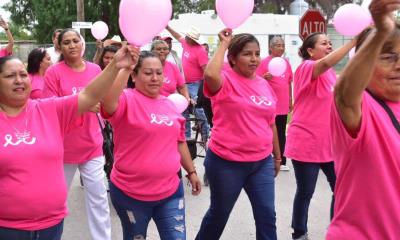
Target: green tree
x: 41, y: 17
x: 191, y: 6
x: 18, y: 33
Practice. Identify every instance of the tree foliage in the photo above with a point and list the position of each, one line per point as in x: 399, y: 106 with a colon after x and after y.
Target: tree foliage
x: 41, y: 17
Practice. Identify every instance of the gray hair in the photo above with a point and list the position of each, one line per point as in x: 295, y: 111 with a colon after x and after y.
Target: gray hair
x: 156, y: 42
x: 274, y: 40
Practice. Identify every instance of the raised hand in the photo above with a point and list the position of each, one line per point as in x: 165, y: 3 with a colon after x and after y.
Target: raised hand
x: 3, y: 23
x: 225, y: 36
x: 382, y: 14
x: 127, y: 57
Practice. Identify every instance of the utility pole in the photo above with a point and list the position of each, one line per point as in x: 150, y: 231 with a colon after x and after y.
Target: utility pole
x: 80, y: 14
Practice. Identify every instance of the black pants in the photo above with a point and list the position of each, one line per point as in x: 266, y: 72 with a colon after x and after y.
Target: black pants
x: 205, y: 103
x: 280, y: 122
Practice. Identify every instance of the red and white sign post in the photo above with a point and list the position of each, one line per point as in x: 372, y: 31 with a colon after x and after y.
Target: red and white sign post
x: 312, y: 21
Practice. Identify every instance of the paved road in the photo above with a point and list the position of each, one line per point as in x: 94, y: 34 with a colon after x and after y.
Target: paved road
x: 240, y: 225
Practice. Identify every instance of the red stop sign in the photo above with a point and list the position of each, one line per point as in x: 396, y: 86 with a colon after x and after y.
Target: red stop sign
x: 312, y: 21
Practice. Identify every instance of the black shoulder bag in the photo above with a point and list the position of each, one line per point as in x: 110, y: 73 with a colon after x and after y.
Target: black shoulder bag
x: 108, y: 145
x: 389, y: 111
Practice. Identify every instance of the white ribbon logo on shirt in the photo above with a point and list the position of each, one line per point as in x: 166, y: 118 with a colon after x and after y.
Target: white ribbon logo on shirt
x: 24, y: 137
x: 186, y: 54
x: 161, y: 119
x: 166, y: 80
x: 260, y: 100
x: 76, y: 90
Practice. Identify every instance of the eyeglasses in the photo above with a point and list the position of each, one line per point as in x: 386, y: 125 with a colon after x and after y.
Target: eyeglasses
x: 389, y: 58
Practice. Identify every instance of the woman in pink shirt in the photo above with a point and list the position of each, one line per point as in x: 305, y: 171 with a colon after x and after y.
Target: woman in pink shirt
x: 83, y: 145
x: 150, y: 147
x: 33, y: 192
x: 282, y: 86
x: 244, y: 136
x: 173, y: 80
x: 366, y: 134
x: 38, y: 62
x: 308, y: 141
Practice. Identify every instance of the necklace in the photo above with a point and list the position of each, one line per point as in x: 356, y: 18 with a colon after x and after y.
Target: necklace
x: 21, y: 136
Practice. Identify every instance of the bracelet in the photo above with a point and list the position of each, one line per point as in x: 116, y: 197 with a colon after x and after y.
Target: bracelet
x: 191, y: 173
x: 278, y: 159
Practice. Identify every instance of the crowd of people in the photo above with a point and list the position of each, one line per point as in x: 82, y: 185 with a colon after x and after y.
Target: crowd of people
x: 51, y: 107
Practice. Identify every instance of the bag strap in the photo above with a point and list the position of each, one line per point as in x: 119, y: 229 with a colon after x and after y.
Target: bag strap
x: 101, y: 125
x: 389, y: 111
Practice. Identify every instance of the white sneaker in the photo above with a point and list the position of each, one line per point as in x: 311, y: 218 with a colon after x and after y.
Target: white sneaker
x: 284, y: 168
x: 303, y: 237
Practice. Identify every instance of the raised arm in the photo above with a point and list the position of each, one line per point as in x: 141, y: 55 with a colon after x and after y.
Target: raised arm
x: 99, y: 50
x: 125, y: 58
x: 212, y: 72
x: 358, y: 72
x: 10, y: 38
x: 330, y: 60
x: 175, y: 34
x: 109, y: 103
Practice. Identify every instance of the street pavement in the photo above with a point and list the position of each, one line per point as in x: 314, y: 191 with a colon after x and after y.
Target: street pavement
x: 241, y: 223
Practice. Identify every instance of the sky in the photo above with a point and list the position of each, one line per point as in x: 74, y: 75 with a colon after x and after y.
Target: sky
x: 4, y: 14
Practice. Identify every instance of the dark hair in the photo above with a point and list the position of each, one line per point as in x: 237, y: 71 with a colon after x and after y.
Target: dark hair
x: 4, y: 60
x: 366, y: 32
x: 35, y: 57
x: 143, y: 55
x: 309, y: 42
x: 238, y: 42
x: 60, y: 37
x: 109, y: 48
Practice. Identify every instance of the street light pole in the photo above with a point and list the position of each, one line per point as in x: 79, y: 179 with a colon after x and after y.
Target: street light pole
x: 80, y: 14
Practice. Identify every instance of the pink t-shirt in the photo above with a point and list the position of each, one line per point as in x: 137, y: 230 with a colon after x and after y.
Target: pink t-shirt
x: 280, y: 85
x: 367, y: 196
x: 308, y: 136
x: 83, y: 143
x: 172, y: 79
x: 146, y: 136
x: 4, y: 52
x: 37, y: 83
x: 193, y: 58
x: 33, y: 191
x: 243, y: 110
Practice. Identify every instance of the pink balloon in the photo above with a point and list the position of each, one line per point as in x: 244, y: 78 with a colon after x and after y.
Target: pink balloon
x: 277, y: 66
x: 180, y: 101
x: 141, y: 20
x: 99, y: 30
x: 351, y: 19
x: 234, y: 12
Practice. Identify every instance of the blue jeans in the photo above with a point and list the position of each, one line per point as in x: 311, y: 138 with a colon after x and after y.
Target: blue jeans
x: 135, y: 215
x: 306, y: 178
x: 227, y: 179
x: 51, y: 233
x: 193, y: 89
